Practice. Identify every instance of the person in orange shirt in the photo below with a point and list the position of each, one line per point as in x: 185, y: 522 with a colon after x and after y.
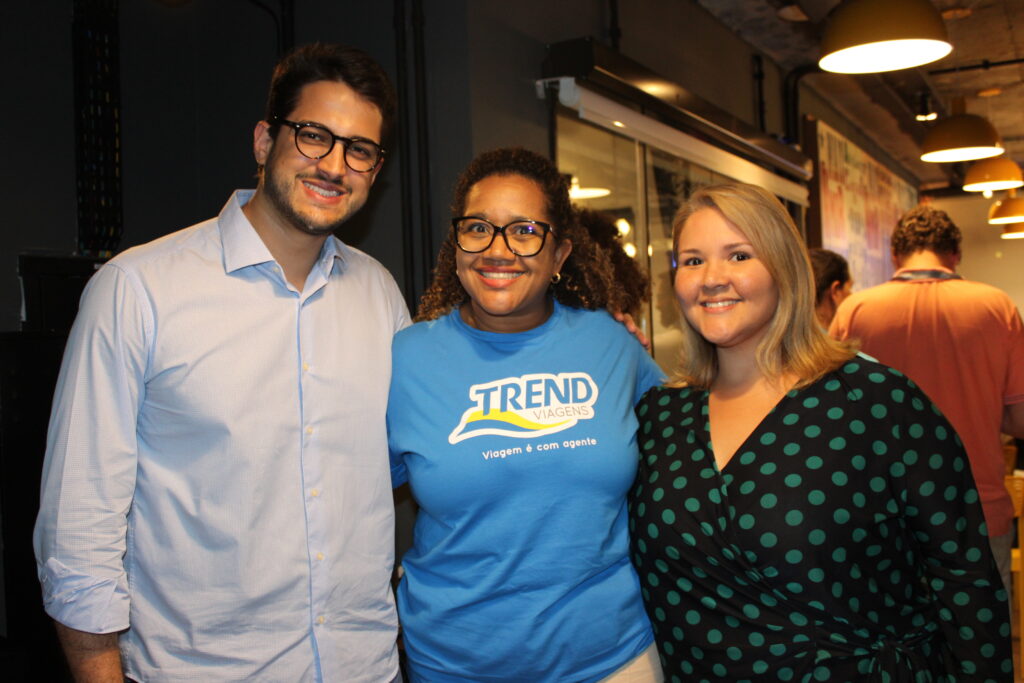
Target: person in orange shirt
x: 962, y: 342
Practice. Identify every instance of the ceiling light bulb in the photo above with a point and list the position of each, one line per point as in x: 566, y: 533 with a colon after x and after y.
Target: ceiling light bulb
x: 925, y: 110
x: 577, y: 192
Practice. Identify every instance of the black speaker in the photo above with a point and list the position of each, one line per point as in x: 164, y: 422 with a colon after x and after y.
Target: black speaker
x: 51, y: 285
x: 29, y: 364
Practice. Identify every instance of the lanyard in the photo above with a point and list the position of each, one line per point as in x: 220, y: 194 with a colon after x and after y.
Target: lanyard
x: 926, y: 275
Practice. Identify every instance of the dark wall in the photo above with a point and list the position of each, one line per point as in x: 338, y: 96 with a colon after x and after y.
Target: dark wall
x: 38, y: 139
x: 193, y: 80
x: 193, y: 83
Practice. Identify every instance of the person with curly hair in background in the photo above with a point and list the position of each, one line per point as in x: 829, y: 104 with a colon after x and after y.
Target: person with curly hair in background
x: 961, y: 341
x: 802, y: 513
x: 511, y: 416
x: 633, y: 282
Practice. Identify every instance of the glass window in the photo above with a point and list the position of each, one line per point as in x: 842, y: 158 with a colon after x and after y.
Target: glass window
x: 670, y: 180
x: 641, y: 187
x: 607, y: 176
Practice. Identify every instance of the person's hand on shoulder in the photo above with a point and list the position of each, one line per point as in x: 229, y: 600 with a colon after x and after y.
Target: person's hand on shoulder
x: 634, y: 329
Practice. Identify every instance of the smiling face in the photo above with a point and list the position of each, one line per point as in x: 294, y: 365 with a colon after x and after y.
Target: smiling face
x: 724, y: 289
x: 508, y: 293
x: 315, y: 196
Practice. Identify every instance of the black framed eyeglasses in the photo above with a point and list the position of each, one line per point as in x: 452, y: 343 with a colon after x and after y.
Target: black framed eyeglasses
x: 523, y: 238
x: 315, y: 142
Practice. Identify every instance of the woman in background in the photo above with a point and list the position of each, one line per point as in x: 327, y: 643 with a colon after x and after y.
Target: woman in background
x: 630, y: 280
x: 832, y: 283
x: 801, y: 513
x: 511, y: 416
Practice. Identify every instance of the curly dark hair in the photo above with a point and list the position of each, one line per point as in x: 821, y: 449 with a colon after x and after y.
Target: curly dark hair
x: 587, y: 275
x: 828, y: 267
x: 925, y: 228
x: 633, y: 281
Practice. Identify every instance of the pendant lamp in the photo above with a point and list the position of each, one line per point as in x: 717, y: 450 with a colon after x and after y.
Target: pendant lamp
x: 961, y: 137
x: 925, y: 110
x: 870, y: 36
x: 1010, y: 209
x: 1013, y: 232
x: 996, y: 173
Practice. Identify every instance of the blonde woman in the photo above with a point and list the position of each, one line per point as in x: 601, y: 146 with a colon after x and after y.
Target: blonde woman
x: 801, y: 513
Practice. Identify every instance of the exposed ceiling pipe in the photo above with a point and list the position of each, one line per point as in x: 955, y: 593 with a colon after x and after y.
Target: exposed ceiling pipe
x: 791, y: 100
x: 284, y: 23
x: 758, y: 68
x: 984, y: 64
x: 614, y: 32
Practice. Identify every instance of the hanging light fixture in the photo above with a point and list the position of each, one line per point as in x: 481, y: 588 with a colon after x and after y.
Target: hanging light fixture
x: 925, y: 110
x: 1010, y: 209
x: 577, y: 192
x: 870, y: 36
x: 995, y: 173
x: 1013, y: 232
x: 961, y: 137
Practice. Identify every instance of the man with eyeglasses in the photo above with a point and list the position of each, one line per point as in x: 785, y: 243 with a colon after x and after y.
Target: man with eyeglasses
x: 216, y: 494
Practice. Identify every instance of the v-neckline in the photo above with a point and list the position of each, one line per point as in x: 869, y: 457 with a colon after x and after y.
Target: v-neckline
x: 758, y: 428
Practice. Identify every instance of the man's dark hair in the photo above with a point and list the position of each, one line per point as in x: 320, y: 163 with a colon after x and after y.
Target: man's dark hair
x: 925, y: 228
x: 330, y: 62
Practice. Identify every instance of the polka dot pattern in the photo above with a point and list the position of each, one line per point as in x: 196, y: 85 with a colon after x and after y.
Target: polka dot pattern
x: 810, y: 555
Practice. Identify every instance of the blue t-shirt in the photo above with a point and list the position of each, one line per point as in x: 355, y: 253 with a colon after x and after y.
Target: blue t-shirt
x: 520, y: 449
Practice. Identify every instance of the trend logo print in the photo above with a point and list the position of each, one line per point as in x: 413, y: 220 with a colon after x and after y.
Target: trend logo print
x: 527, y: 406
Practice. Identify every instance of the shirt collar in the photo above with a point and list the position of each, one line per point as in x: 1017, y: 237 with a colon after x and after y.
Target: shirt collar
x: 936, y: 273
x: 243, y: 246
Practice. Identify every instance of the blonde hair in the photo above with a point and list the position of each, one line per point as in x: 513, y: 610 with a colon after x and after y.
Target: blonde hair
x: 794, y: 342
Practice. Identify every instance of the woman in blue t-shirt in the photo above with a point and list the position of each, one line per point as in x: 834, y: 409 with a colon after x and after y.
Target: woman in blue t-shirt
x: 511, y: 416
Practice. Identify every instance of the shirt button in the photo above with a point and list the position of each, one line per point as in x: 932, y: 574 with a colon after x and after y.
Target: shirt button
x: 320, y: 556
x: 309, y: 430
x: 305, y: 367
x: 315, y: 492
x: 320, y: 620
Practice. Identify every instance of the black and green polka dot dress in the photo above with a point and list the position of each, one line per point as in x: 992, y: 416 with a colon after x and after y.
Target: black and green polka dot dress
x: 844, y: 540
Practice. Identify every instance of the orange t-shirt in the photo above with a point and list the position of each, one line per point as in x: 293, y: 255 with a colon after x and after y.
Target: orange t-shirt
x: 962, y: 342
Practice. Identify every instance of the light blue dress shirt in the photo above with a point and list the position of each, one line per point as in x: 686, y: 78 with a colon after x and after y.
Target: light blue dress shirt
x: 216, y: 476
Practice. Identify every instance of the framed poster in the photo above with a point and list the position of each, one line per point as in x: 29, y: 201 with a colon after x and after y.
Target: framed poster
x: 855, y: 203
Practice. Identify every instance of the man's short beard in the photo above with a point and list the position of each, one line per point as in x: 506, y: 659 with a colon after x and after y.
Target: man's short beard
x: 278, y: 197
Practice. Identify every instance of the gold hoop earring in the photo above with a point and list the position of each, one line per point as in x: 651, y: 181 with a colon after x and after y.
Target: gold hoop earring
x: 556, y: 278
